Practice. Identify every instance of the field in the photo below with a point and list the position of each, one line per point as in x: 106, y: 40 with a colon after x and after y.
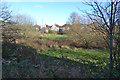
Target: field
x: 50, y: 56
x: 66, y: 42
x: 55, y: 36
x: 60, y: 63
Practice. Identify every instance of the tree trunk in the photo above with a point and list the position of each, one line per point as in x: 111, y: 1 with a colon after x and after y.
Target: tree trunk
x: 111, y: 49
x: 119, y: 54
x: 119, y: 38
x: 111, y: 37
x: 114, y: 54
x: 119, y: 47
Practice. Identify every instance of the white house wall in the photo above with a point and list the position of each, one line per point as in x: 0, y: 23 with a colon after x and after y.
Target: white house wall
x: 55, y: 28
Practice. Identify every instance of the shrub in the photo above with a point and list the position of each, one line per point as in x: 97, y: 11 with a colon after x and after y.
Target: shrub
x: 50, y: 31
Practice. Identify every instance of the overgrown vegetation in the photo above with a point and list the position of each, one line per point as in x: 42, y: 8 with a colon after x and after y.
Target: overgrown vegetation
x: 51, y: 63
x: 50, y: 32
x: 80, y: 53
x: 54, y: 36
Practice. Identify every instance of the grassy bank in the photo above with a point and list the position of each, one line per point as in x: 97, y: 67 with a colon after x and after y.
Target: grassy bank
x: 50, y: 36
x: 91, y: 57
x: 56, y: 63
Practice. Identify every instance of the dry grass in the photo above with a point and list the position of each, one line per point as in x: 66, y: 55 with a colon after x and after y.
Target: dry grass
x: 33, y: 56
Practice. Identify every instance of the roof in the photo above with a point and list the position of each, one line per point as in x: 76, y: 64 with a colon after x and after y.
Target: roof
x: 36, y: 26
x: 65, y: 25
x: 48, y: 26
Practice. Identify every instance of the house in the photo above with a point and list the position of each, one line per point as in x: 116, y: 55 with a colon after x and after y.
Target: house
x: 55, y: 28
x: 63, y: 27
x: 47, y: 26
x: 37, y: 27
x: 44, y: 30
x: 66, y: 27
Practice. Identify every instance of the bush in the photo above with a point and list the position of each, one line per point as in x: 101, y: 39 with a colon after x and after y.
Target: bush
x: 50, y: 31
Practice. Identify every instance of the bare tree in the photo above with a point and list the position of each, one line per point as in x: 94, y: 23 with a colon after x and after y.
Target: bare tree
x: 5, y: 14
x: 22, y: 19
x: 107, y: 14
x: 74, y: 20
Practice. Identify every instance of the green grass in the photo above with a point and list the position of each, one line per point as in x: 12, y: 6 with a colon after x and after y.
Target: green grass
x: 87, y: 60
x: 55, y: 36
x: 95, y: 60
x: 92, y: 58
